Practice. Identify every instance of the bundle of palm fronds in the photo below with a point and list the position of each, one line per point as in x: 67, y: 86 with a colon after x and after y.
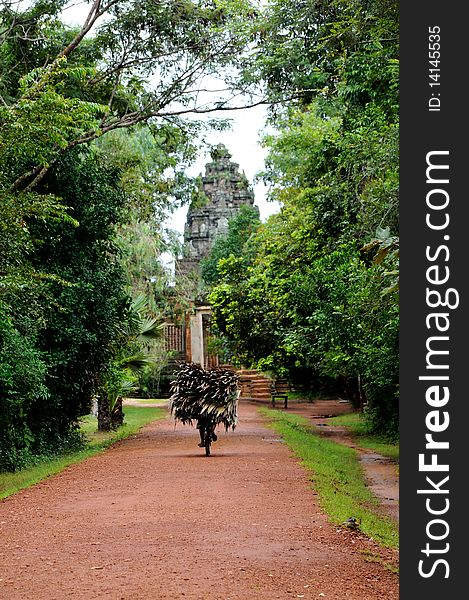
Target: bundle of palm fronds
x: 211, y: 393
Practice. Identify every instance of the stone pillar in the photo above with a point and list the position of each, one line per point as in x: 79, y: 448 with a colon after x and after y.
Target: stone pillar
x: 198, y: 341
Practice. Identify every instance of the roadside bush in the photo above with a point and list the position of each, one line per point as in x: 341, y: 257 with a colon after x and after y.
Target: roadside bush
x: 22, y: 376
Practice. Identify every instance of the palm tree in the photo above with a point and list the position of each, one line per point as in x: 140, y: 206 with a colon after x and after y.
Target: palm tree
x: 132, y: 357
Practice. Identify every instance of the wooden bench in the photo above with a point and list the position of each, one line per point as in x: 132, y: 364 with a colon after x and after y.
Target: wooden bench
x: 279, y: 391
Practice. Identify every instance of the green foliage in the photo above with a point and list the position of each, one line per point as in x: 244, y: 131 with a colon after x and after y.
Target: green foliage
x: 310, y: 316
x: 315, y: 298
x: 235, y: 243
x: 199, y: 198
x: 316, y: 48
x: 150, y: 161
x: 82, y: 319
x: 67, y: 87
x: 22, y: 387
x: 132, y: 356
x: 43, y: 123
x: 311, y: 294
x: 71, y: 212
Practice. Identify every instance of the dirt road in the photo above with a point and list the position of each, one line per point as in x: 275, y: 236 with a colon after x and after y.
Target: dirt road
x: 154, y: 519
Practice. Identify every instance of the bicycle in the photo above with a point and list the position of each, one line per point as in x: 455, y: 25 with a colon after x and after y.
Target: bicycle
x: 207, y: 435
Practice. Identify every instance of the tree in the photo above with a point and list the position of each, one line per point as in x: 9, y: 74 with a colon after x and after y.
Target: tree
x: 22, y: 386
x: 235, y: 243
x: 88, y: 303
x: 67, y: 87
x: 178, y: 44
x: 70, y: 203
x: 309, y: 46
x: 318, y: 301
x: 131, y: 356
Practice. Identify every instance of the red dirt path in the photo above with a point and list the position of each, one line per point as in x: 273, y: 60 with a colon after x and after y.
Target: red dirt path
x: 154, y: 519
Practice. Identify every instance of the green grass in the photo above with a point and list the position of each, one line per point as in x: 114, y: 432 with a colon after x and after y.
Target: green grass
x: 357, y: 427
x: 337, y: 476
x: 135, y: 418
x: 307, y: 396
x: 149, y: 400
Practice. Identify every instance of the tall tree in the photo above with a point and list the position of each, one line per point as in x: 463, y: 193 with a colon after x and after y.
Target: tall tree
x: 131, y: 78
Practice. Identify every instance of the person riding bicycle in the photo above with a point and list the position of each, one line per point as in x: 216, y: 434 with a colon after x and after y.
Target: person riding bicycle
x: 206, y: 397
x: 206, y: 425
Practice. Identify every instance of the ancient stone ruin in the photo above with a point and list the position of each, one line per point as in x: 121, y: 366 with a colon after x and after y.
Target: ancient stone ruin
x: 222, y: 191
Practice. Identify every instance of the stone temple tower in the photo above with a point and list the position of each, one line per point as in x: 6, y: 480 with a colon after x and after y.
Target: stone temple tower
x: 223, y: 190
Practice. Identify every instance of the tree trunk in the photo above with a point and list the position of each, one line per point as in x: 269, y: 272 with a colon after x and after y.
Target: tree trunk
x: 104, y: 414
x: 352, y: 391
x: 117, y: 414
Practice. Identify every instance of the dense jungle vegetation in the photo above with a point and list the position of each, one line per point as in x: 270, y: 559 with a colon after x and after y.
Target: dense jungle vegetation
x: 95, y: 141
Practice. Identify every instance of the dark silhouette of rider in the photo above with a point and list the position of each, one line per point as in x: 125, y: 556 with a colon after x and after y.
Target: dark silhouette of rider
x: 206, y: 425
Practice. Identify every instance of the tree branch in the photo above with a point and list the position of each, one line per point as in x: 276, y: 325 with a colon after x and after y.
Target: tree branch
x: 94, y: 14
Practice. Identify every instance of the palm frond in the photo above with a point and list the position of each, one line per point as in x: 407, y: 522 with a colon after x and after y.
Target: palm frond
x: 150, y: 328
x: 136, y: 362
x: 212, y: 393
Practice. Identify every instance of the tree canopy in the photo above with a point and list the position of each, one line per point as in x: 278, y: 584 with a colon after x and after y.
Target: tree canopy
x: 93, y: 152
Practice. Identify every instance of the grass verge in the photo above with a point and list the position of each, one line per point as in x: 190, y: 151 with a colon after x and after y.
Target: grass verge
x: 97, y: 441
x: 357, y: 427
x: 337, y: 476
